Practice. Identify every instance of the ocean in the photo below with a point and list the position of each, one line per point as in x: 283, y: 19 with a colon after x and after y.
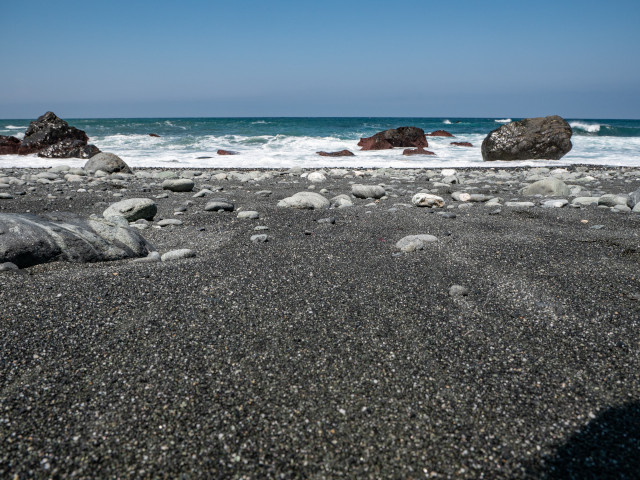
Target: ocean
x: 288, y: 142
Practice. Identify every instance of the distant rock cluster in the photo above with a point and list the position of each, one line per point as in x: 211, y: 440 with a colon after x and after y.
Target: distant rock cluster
x: 51, y: 137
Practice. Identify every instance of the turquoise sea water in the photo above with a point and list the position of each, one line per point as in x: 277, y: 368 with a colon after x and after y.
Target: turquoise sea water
x: 286, y: 142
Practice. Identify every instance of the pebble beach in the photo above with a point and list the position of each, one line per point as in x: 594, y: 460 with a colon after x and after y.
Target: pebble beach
x: 406, y: 323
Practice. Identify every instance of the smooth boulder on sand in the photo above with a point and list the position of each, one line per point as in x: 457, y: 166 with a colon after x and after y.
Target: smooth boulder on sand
x: 29, y: 239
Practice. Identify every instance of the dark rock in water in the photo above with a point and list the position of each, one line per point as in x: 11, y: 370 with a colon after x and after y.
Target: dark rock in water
x: 226, y: 152
x: 107, y: 162
x: 69, y: 149
x: 462, y: 144
x: 395, y: 137
x: 547, y: 138
x: 50, y: 131
x: 9, y: 145
x: 31, y: 239
x: 439, y: 133
x: 417, y: 151
x: 341, y: 153
x: 154, y: 135
x: 202, y: 158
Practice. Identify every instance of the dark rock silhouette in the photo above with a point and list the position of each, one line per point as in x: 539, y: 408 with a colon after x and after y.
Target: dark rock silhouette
x: 439, y: 133
x: 545, y: 138
x: 50, y: 136
x: 226, y: 152
x: 341, y: 153
x: 462, y: 144
x: 395, y: 137
x: 417, y: 151
x: 9, y: 145
x: 607, y: 447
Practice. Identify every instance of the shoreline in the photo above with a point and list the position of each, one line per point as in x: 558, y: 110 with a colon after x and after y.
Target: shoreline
x: 326, y: 350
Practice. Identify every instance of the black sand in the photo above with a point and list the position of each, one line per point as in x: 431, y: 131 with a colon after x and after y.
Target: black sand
x: 324, y: 354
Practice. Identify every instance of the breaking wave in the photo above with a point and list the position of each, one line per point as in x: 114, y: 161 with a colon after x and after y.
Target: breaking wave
x: 504, y: 120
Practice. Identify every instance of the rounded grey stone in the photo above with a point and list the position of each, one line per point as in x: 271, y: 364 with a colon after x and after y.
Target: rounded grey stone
x: 218, y: 204
x: 367, y: 191
x: 132, y: 209
x: 178, y: 184
x: 177, y: 254
x: 106, y: 162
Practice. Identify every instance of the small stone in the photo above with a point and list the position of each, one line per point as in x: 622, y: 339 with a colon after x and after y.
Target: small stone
x: 458, y: 291
x: 5, y: 196
x: 219, y: 204
x: 177, y: 255
x: 427, y: 200
x: 151, y: 258
x: 169, y: 221
x: 414, y: 242
x: 316, y: 177
x: 367, y: 191
x: 305, y: 200
x: 249, y: 214
x: 449, y: 215
x: 259, y: 238
x: 555, y: 203
x: 132, y: 209
x: 178, y: 185
x: 261, y: 228
x: 519, y: 204
x: 330, y: 220
x: 264, y: 193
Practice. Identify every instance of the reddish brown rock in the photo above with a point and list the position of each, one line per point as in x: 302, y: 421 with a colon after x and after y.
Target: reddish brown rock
x: 462, y: 144
x: 154, y: 135
x: 395, y: 137
x: 417, y: 151
x: 9, y: 145
x: 439, y: 133
x: 226, y: 152
x: 341, y: 153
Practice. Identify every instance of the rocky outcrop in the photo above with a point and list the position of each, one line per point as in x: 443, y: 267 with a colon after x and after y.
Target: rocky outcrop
x: 462, y: 144
x: 9, y: 145
x: 341, y: 153
x: 30, y: 239
x: 107, y: 162
x: 416, y: 151
x: 395, y: 137
x: 439, y: 133
x: 52, y: 137
x: 544, y: 138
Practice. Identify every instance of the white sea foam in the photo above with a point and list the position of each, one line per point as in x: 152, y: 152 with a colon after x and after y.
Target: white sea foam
x: 283, y: 151
x: 447, y: 122
x: 15, y: 127
x: 587, y: 127
x: 504, y: 120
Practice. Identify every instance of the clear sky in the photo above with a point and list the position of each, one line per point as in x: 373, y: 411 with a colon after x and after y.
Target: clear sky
x: 91, y: 58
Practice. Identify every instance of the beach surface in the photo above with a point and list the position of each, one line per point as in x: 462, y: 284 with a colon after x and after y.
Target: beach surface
x: 326, y: 351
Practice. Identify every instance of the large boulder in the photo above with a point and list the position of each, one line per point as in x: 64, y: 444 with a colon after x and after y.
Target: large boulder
x: 545, y: 138
x: 107, y: 162
x: 9, y: 145
x: 30, y: 239
x: 50, y: 136
x: 395, y: 137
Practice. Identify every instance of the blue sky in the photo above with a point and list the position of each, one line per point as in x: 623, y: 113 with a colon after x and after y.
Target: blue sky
x: 488, y: 58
